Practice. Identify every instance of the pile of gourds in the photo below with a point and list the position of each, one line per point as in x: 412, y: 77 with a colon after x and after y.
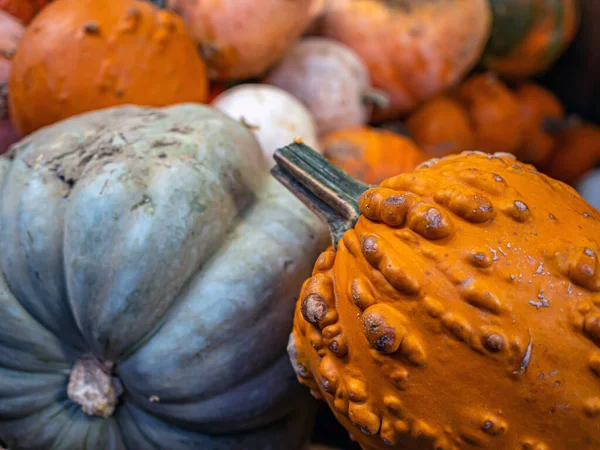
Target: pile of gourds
x: 151, y: 264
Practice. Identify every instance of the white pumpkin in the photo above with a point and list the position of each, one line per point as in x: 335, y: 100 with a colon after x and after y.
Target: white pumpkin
x: 330, y: 79
x: 275, y: 117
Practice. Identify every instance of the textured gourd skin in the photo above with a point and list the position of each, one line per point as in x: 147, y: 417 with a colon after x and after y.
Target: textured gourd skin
x: 154, y: 239
x: 462, y: 311
x: 413, y: 48
x: 83, y: 55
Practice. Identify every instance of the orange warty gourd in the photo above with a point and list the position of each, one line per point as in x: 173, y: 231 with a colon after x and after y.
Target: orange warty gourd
x: 459, y: 306
x: 82, y: 55
x: 441, y: 126
x: 577, y: 151
x: 536, y: 105
x: 494, y: 113
x: 413, y: 48
x: 370, y: 154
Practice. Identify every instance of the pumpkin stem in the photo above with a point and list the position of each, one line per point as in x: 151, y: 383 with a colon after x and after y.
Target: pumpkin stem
x: 326, y: 190
x: 376, y: 97
x: 92, y: 386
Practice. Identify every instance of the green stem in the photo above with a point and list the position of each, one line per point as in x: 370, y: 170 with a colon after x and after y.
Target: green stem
x: 326, y: 190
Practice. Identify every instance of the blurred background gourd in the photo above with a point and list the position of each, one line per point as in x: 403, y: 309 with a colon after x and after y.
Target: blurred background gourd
x: 82, y: 55
x: 11, y: 31
x: 243, y: 38
x: 413, y: 48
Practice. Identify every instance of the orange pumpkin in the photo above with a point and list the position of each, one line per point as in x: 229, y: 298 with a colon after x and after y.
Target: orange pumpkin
x: 24, y: 10
x: 371, y: 154
x: 458, y: 308
x: 486, y: 115
x: 81, y: 55
x: 537, y: 105
x: 240, y: 39
x: 441, y: 126
x: 577, y: 151
x: 494, y: 112
x: 529, y: 35
x: 413, y: 48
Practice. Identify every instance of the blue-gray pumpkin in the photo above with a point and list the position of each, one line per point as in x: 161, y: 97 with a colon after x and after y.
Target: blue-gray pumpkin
x: 150, y: 267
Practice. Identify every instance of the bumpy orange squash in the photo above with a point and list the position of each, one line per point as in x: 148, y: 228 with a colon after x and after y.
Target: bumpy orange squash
x: 459, y: 306
x: 82, y: 55
x: 370, y: 154
x: 441, y: 126
x: 413, y: 48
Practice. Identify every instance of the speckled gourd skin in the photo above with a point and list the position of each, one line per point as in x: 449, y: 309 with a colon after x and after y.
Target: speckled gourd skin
x: 154, y: 239
x: 462, y: 311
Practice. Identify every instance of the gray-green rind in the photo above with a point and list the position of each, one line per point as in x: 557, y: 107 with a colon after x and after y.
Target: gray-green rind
x: 154, y: 239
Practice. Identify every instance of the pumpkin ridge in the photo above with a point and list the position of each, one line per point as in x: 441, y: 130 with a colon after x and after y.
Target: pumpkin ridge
x: 74, y: 343
x: 131, y: 245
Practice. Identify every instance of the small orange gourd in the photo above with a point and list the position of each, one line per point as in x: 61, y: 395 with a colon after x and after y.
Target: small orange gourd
x: 537, y: 105
x: 82, y: 55
x: 241, y: 39
x: 441, y: 126
x: 458, y: 308
x: 577, y: 151
x: 413, y: 48
x: 494, y: 112
x: 485, y: 114
x: 371, y: 154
